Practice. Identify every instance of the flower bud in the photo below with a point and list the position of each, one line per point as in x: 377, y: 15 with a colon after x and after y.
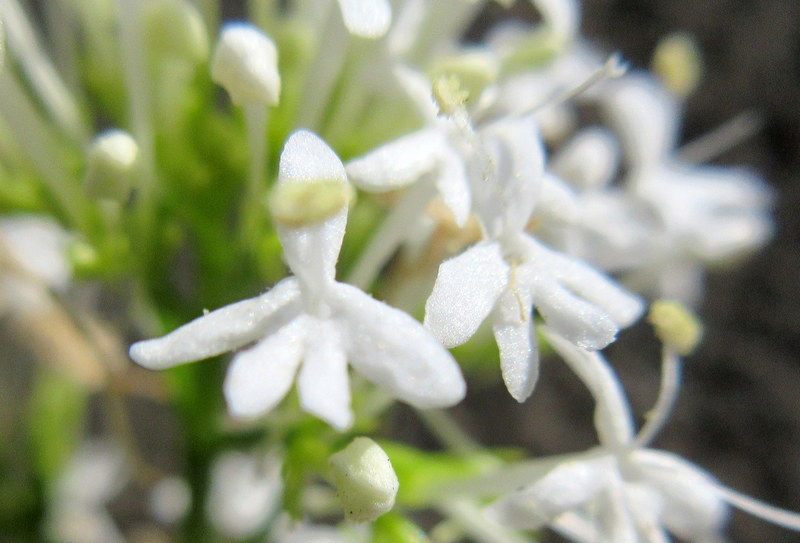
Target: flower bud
x: 175, y: 28
x: 300, y: 203
x: 364, y: 479
x: 113, y: 162
x: 245, y: 62
x: 676, y: 326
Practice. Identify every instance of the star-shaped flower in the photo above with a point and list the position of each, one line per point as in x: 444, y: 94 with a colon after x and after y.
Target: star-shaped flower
x: 510, y: 272
x: 310, y: 325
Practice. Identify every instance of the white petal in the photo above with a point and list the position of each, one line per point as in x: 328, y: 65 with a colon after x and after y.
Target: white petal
x: 617, y: 524
x: 453, y: 186
x: 589, y: 160
x: 571, y: 485
x: 693, y: 508
x: 512, y: 322
x: 612, y: 416
x: 396, y: 352
x: 594, y: 286
x: 366, y: 18
x: 645, y: 116
x: 577, y: 320
x: 466, y: 290
x: 260, y: 377
x: 562, y: 16
x: 312, y: 251
x: 225, y: 329
x: 323, y: 383
x: 557, y: 201
x: 397, y: 163
x: 517, y: 155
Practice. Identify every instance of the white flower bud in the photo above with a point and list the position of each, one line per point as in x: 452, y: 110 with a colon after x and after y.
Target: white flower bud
x: 245, y: 62
x: 113, y: 161
x: 365, y: 480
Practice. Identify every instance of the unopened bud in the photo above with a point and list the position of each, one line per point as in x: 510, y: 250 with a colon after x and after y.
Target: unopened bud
x: 676, y: 326
x: 301, y: 203
x: 364, y: 479
x: 113, y: 162
x: 175, y: 28
x: 245, y: 62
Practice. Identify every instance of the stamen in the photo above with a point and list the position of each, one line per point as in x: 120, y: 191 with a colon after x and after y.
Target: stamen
x: 781, y: 517
x: 723, y: 138
x: 667, y: 394
x: 613, y: 68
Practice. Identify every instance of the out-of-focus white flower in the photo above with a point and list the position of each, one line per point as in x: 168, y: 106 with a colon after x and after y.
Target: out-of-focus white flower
x: 170, y: 500
x: 38, y: 245
x: 244, y: 493
x: 705, y: 214
x: 94, y: 475
x: 245, y: 62
x: 510, y: 273
x: 622, y: 491
x: 313, y: 319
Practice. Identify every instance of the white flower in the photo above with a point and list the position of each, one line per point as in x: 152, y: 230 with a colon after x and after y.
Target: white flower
x: 245, y: 62
x: 705, y: 214
x: 93, y: 477
x: 510, y: 272
x: 440, y: 154
x: 623, y: 492
x: 244, y: 492
x: 313, y: 319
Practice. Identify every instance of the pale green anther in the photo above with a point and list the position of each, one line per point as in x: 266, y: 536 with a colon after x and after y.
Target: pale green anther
x: 675, y: 325
x: 364, y: 479
x: 175, y: 28
x: 677, y: 61
x: 112, y: 166
x: 300, y: 204
x: 474, y: 70
x: 449, y: 94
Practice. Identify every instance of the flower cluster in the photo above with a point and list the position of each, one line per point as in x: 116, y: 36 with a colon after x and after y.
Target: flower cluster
x: 362, y: 137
